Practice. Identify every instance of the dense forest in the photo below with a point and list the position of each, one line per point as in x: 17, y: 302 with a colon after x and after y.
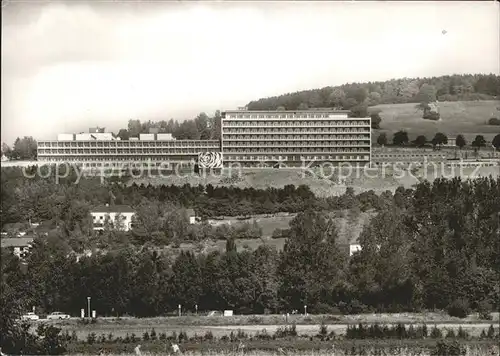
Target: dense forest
x: 433, y: 247
x: 64, y: 208
x: 394, y: 91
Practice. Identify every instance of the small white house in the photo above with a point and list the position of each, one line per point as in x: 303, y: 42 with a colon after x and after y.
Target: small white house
x: 191, y: 216
x: 118, y: 216
x: 353, y: 248
x: 20, y: 245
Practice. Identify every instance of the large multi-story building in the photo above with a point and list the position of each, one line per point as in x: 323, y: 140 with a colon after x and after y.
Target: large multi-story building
x: 94, y: 149
x: 249, y: 138
x: 272, y: 138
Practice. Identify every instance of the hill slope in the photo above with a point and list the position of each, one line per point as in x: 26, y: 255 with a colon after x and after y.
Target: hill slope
x: 395, y: 91
x: 461, y: 117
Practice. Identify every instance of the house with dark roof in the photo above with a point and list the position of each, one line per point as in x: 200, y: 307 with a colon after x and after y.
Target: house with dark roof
x: 118, y: 217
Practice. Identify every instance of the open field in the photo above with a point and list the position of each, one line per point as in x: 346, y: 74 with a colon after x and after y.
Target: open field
x: 348, y: 230
x: 253, y: 324
x: 462, y: 117
x: 321, y: 184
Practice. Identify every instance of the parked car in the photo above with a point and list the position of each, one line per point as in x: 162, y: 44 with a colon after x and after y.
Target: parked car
x: 30, y: 316
x: 214, y: 313
x: 57, y: 316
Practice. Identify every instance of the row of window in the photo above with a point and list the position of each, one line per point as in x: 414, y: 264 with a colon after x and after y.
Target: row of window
x: 126, y: 144
x: 296, y: 144
x: 296, y: 158
x: 407, y: 155
x: 298, y: 131
x: 285, y: 116
x: 102, y: 217
x: 328, y: 123
x: 194, y: 151
x: 294, y: 150
x: 293, y: 137
x: 107, y: 158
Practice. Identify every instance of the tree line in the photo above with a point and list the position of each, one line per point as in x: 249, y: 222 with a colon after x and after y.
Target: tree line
x: 202, y: 127
x: 401, y: 139
x: 23, y: 149
x: 160, y: 210
x: 358, y: 96
x: 432, y: 247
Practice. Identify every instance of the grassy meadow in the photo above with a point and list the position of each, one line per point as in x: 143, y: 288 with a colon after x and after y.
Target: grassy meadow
x: 461, y: 117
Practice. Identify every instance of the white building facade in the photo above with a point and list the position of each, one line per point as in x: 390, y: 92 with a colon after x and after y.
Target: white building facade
x: 117, y: 217
x: 294, y: 137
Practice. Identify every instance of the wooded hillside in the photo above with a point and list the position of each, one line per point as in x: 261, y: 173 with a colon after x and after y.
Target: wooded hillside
x: 395, y: 91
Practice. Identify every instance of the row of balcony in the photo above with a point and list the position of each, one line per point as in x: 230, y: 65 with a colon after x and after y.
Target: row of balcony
x: 128, y: 144
x: 192, y: 151
x: 295, y: 158
x: 294, y: 151
x: 324, y: 123
x: 287, y: 138
x: 299, y: 145
x: 316, y: 131
x: 118, y: 160
x: 299, y: 116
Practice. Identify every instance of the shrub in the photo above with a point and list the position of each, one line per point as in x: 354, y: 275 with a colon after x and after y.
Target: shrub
x: 91, y: 338
x: 450, y: 334
x: 484, y: 310
x: 323, y: 308
x: 491, y: 332
x: 448, y: 349
x: 494, y: 121
x: 241, y: 335
x: 436, y: 333
x: 263, y: 335
x: 133, y: 338
x: 254, y: 319
x: 323, y: 331
x: 459, y: 308
x: 51, y: 341
x: 483, y: 334
x: 354, y: 307
x: 183, y: 336
x: 208, y: 336
x: 286, y: 331
x: 462, y: 334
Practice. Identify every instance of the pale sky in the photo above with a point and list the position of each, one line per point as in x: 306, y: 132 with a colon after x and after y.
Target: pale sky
x: 69, y: 66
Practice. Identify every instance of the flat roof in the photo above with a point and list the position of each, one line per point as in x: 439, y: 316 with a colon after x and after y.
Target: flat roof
x: 16, y: 241
x: 112, y: 209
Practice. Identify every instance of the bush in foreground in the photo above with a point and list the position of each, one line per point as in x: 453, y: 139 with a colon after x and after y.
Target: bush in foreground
x: 459, y: 308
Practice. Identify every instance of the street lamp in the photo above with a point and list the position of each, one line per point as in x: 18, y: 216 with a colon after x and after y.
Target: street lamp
x: 88, y: 306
